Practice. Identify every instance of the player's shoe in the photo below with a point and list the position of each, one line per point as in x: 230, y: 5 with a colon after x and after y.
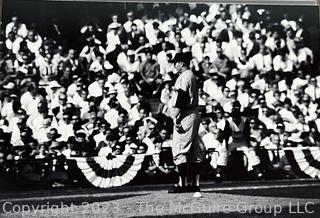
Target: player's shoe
x: 197, y: 195
x: 177, y: 189
x: 218, y: 178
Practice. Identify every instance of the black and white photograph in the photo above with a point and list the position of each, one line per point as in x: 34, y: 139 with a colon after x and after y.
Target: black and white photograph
x: 159, y: 109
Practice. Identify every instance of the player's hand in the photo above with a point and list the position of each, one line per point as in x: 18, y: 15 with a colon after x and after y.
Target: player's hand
x: 180, y: 129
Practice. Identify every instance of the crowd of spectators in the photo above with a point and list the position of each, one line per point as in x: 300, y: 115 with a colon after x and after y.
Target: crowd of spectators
x: 99, y: 99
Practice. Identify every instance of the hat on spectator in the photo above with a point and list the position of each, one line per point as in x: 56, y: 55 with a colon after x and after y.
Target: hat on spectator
x: 133, y: 146
x: 130, y: 52
x: 9, y: 86
x: 193, y: 18
x: 75, y: 76
x: 295, y: 138
x: 185, y: 50
x: 297, y: 39
x: 55, y: 132
x: 113, y: 78
x: 112, y: 91
x: 54, y: 84
x: 81, y: 133
x: 107, y: 65
x: 118, y: 146
x: 213, y: 71
x: 151, y: 119
x: 280, y: 125
x: 13, y: 95
x: 235, y: 72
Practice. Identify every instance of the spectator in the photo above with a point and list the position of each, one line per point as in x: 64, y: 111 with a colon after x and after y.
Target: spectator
x: 149, y: 81
x: 108, y: 146
x: 16, y: 25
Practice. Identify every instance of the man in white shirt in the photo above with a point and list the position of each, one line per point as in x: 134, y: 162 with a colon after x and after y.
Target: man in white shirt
x: 95, y: 89
x: 129, y: 63
x: 282, y: 63
x: 299, y: 81
x: 34, y: 42
x: 104, y: 130
x: 112, y: 37
x: 211, y: 87
x: 233, y: 82
x: 130, y: 21
x: 261, y: 61
x: 48, y: 70
x: 313, y: 90
x: 58, y: 109
x: 65, y: 128
x: 21, y: 27
x: 42, y: 134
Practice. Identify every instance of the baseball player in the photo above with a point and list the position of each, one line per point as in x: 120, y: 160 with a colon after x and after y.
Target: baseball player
x: 185, y: 146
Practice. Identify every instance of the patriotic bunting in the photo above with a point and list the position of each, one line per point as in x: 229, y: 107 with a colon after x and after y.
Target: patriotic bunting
x: 111, y: 171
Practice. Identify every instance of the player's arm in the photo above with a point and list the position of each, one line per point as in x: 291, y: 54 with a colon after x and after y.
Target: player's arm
x: 182, y: 102
x: 247, y: 131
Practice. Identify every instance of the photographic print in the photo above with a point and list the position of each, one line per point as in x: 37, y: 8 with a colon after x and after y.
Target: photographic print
x: 147, y: 109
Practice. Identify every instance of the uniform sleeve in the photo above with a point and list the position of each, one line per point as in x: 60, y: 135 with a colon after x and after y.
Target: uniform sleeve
x: 183, y: 83
x: 182, y: 98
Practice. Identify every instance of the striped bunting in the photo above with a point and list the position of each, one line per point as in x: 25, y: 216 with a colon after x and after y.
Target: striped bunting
x: 111, y: 171
x: 305, y: 162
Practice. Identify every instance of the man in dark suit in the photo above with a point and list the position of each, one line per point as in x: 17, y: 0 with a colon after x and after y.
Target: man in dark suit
x: 133, y: 37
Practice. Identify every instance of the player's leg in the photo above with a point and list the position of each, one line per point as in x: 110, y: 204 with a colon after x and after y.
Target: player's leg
x: 195, y: 156
x: 181, y: 146
x: 181, y: 186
